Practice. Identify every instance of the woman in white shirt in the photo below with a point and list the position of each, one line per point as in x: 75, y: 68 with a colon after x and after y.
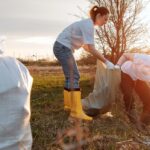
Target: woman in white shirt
x: 77, y: 35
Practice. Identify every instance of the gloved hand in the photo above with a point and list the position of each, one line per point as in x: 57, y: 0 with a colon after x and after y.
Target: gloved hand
x: 117, y: 67
x: 109, y: 65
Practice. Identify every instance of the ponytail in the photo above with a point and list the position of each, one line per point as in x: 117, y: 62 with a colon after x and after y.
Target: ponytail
x: 95, y: 10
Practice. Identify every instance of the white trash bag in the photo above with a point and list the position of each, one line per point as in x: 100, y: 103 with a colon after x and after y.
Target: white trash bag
x: 106, y: 87
x: 15, y: 88
x: 2, y: 44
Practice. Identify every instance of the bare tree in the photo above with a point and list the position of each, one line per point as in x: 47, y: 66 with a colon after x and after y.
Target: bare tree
x: 123, y: 29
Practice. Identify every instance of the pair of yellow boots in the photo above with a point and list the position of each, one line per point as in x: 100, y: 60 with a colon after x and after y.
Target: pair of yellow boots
x: 72, y: 103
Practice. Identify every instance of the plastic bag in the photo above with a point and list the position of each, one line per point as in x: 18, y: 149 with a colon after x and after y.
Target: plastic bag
x: 15, y: 88
x: 105, y: 88
x: 2, y: 44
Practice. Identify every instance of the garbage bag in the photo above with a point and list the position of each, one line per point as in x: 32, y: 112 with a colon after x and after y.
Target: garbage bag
x: 2, y: 44
x: 15, y: 89
x: 106, y: 87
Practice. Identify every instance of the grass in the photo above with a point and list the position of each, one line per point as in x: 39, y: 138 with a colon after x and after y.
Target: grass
x: 49, y: 118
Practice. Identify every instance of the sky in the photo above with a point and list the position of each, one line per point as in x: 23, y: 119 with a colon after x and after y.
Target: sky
x: 31, y: 26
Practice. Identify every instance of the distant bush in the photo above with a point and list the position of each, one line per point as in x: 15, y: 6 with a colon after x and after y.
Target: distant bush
x: 86, y: 59
x: 40, y: 62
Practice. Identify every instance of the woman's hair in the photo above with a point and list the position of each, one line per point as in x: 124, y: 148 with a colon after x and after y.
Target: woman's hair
x: 98, y: 10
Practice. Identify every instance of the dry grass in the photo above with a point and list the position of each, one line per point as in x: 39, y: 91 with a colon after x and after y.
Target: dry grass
x: 52, y: 130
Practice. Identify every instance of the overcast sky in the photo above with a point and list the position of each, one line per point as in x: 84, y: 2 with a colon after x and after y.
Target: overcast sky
x: 31, y: 26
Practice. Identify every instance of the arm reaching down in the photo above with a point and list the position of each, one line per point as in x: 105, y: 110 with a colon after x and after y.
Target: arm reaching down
x: 91, y: 49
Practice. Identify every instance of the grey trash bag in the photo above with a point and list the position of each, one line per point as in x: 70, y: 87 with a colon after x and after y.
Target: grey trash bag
x: 15, y: 89
x: 105, y: 88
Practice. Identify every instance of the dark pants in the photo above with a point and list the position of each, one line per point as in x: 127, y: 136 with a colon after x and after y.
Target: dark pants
x: 141, y: 88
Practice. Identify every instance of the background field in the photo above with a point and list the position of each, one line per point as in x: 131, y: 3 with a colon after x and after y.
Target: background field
x: 49, y: 118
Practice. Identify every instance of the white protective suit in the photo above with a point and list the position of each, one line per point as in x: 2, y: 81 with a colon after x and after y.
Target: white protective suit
x: 15, y: 88
x: 139, y: 68
x: 106, y: 86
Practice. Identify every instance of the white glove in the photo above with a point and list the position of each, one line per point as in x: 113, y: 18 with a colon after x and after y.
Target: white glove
x: 109, y: 65
x: 117, y: 67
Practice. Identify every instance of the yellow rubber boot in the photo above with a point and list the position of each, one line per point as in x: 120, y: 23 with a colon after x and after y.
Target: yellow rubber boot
x: 76, y: 106
x: 67, y: 98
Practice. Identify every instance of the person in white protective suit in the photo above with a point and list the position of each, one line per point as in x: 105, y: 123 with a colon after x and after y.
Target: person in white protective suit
x: 132, y: 73
x: 136, y: 76
x: 15, y: 88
